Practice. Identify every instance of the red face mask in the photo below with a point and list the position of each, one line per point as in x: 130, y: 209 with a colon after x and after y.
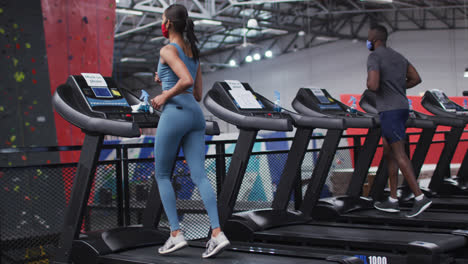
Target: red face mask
x: 165, y: 32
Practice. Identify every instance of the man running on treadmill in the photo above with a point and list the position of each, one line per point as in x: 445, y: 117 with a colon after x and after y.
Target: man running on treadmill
x: 389, y: 74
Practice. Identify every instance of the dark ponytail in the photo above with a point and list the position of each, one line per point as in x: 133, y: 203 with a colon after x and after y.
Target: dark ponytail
x: 190, y: 33
x: 178, y: 15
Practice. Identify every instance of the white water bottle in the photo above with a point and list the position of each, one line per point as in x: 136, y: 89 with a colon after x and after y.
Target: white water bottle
x: 411, y: 110
x: 277, y: 102
x: 353, y: 107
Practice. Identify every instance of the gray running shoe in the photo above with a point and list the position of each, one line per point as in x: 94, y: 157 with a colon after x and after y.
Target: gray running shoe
x: 419, y: 207
x: 216, y: 245
x: 173, y: 244
x: 387, y: 206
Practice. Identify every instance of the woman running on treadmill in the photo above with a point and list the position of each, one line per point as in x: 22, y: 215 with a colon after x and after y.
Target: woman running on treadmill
x: 182, y: 123
x: 389, y: 74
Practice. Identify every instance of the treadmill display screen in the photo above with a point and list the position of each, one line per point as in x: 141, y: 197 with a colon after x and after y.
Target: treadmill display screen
x: 325, y: 103
x: 102, y: 92
x: 320, y: 95
x: 245, y: 99
x: 330, y: 107
x: 451, y: 106
x: 446, y: 103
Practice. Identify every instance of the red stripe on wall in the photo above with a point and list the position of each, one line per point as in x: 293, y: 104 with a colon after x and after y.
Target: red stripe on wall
x: 435, y: 149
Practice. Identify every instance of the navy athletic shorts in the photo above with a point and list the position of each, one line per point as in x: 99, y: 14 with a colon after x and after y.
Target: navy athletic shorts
x: 393, y: 124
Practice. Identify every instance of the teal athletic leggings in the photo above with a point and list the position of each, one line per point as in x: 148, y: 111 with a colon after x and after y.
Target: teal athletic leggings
x: 182, y: 121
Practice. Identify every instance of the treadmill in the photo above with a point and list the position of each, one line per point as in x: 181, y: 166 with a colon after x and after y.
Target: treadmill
x: 353, y: 208
x: 439, y: 202
x: 97, y: 106
x: 280, y: 226
x: 442, y: 182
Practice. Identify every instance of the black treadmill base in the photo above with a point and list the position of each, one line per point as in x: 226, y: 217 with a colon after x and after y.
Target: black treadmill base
x: 192, y: 255
x: 443, y: 203
x: 428, y: 219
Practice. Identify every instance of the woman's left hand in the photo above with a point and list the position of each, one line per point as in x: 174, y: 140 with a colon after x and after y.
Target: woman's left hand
x: 159, y: 101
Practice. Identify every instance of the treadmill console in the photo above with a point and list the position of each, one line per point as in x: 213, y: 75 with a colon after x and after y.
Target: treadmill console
x: 100, y: 93
x: 101, y: 97
x: 320, y: 101
x: 237, y: 103
x: 439, y: 99
x: 240, y: 97
x: 323, y: 99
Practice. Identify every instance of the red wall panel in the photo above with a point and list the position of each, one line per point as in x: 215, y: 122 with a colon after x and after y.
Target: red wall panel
x: 79, y: 38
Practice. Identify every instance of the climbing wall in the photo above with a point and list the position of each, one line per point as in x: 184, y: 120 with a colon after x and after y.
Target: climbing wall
x: 26, y: 115
x: 79, y: 38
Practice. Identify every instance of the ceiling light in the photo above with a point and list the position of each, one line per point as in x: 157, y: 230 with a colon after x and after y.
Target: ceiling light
x: 248, y: 58
x: 247, y: 12
x: 268, y: 54
x: 208, y: 22
x: 326, y: 38
x: 466, y: 73
x: 132, y: 59
x: 301, y: 33
x: 232, y: 63
x: 157, y: 39
x: 128, y: 12
x: 257, y: 56
x: 264, y: 15
x: 252, y: 23
x: 143, y: 74
x: 274, y: 31
x: 378, y: 1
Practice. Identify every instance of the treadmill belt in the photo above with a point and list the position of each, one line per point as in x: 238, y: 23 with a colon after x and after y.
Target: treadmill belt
x: 451, y: 200
x: 451, y: 220
x: 192, y: 255
x: 460, y: 202
x: 359, y: 238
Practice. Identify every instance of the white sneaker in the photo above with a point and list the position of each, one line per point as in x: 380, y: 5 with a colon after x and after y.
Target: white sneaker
x: 173, y: 244
x: 216, y: 245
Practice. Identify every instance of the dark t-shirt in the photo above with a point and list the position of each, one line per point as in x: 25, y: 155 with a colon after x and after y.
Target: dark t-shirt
x: 392, y: 67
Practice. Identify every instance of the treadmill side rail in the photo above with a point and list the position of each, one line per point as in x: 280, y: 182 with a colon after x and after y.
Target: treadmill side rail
x: 460, y: 232
x: 426, y: 246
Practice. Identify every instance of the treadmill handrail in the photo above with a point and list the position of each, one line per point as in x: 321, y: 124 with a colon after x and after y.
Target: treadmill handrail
x: 421, y: 120
x: 212, y: 128
x: 299, y: 107
x: 443, y: 121
x: 437, y: 111
x: 307, y: 121
x: 92, y: 124
x: 366, y: 121
x: 315, y: 122
x: 258, y: 123
x: 420, y: 123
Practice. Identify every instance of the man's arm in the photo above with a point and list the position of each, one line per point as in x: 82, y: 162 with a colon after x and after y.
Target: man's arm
x: 373, y: 80
x: 373, y: 72
x: 412, y: 77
